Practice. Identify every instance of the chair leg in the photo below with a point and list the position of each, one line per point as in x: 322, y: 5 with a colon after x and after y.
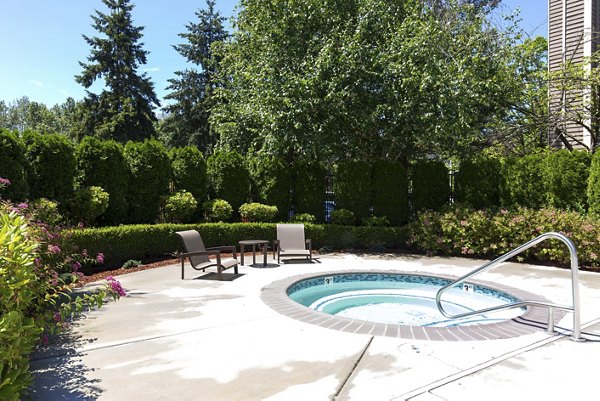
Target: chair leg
x: 182, y: 267
x: 219, y: 272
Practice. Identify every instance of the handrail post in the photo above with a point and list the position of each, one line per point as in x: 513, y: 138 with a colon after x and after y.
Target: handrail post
x: 575, y: 309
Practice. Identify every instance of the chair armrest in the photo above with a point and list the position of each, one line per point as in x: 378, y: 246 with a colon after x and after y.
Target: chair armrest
x: 207, y: 252
x: 309, y: 242
x: 230, y: 248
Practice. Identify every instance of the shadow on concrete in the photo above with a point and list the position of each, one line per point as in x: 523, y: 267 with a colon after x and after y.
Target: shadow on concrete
x: 212, y: 276
x: 60, y: 374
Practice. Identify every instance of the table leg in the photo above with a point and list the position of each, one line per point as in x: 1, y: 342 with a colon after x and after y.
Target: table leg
x: 242, y: 254
x: 265, y: 250
x: 253, y: 254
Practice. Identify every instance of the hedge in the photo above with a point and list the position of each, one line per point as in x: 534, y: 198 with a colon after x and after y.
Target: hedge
x: 477, y: 182
x: 352, y: 187
x: 390, y: 192
x: 566, y: 178
x: 149, y: 176
x: 51, y: 166
x: 119, y: 244
x: 309, y: 188
x: 523, y: 181
x: 13, y: 166
x: 102, y: 163
x: 189, y: 171
x: 593, y: 189
x: 430, y: 185
x: 271, y: 183
x: 229, y: 178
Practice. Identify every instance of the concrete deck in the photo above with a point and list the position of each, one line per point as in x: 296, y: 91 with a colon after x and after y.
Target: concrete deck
x: 208, y: 340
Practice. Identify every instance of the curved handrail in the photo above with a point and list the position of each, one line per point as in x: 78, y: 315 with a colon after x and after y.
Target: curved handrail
x: 574, y: 284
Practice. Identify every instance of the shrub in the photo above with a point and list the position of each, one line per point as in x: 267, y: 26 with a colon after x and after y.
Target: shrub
x: 304, y: 218
x: 343, y: 217
x: 13, y: 166
x: 309, y: 188
x: 565, y: 177
x: 352, y: 187
x: 271, y: 183
x: 229, y: 178
x: 131, y: 263
x: 390, y: 191
x: 477, y: 183
x: 189, y: 171
x: 523, y: 181
x: 375, y: 221
x: 257, y: 212
x: 45, y: 210
x: 593, y: 189
x: 217, y: 210
x: 430, y: 185
x: 179, y: 207
x: 102, y: 164
x: 149, y: 176
x: 88, y: 204
x: 51, y: 166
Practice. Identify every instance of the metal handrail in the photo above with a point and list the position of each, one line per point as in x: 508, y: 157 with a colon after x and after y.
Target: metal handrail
x: 574, y: 284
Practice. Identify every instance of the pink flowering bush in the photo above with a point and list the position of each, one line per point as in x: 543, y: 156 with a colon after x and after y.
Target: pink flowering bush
x: 463, y: 231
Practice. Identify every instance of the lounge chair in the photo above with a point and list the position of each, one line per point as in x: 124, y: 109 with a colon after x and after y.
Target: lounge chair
x: 291, y: 242
x: 198, y: 254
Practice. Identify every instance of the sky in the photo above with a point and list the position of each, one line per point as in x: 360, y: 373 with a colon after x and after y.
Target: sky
x: 41, y: 41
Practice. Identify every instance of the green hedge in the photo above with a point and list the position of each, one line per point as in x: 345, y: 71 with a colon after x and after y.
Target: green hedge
x: 51, y: 166
x: 430, y: 185
x: 119, y: 244
x: 477, y: 182
x: 352, y: 187
x: 102, y: 163
x: 309, y: 188
x: 593, y: 189
x: 523, y: 181
x: 390, y: 192
x: 13, y: 166
x: 566, y: 179
x: 229, y: 178
x: 271, y: 183
x: 149, y: 176
x: 189, y: 171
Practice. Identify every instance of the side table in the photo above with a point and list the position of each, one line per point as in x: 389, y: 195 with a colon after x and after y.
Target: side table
x: 253, y: 243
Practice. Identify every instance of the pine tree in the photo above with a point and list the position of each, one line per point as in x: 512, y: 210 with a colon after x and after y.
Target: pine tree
x: 187, y: 118
x: 124, y: 109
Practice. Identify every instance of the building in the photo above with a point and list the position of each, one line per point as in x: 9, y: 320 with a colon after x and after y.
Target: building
x: 571, y: 38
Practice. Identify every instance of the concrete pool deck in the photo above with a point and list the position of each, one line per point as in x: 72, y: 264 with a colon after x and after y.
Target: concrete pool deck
x: 202, y: 339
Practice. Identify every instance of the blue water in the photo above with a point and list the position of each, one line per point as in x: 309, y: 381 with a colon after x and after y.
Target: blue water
x: 399, y: 299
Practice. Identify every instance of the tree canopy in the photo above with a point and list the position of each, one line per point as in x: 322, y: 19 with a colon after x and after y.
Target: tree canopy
x: 124, y: 109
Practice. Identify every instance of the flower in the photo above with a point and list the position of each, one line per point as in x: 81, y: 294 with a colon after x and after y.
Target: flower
x: 84, y: 253
x: 23, y: 205
x: 76, y: 266
x: 115, y: 286
x: 4, y: 182
x: 54, y: 249
x: 100, y: 258
x: 57, y: 317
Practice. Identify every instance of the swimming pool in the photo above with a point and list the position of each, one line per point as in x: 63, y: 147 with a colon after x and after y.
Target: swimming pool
x: 351, y: 307
x: 399, y: 299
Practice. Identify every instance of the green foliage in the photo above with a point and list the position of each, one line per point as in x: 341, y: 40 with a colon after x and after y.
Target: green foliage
x: 593, y: 189
x: 565, y: 178
x: 477, y: 182
x: 179, y: 207
x: 309, y: 188
x: 257, y: 212
x: 217, y: 210
x: 229, y: 177
x: 149, y: 176
x: 19, y: 287
x: 343, y: 217
x: 131, y: 263
x: 352, y: 186
x: 124, y: 110
x: 375, y: 221
x: 390, y: 191
x: 13, y: 166
x: 88, y: 204
x: 102, y: 164
x: 46, y: 211
x: 51, y: 166
x: 189, y: 171
x: 187, y: 121
x: 465, y: 231
x: 523, y: 181
x: 430, y: 185
x: 271, y: 182
x: 304, y: 218
x: 149, y: 241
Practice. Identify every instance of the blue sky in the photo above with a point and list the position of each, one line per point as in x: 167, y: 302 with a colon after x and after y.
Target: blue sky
x: 41, y: 43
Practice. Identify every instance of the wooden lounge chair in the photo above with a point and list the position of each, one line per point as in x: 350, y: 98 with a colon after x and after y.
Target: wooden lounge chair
x: 291, y: 242
x: 198, y: 254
